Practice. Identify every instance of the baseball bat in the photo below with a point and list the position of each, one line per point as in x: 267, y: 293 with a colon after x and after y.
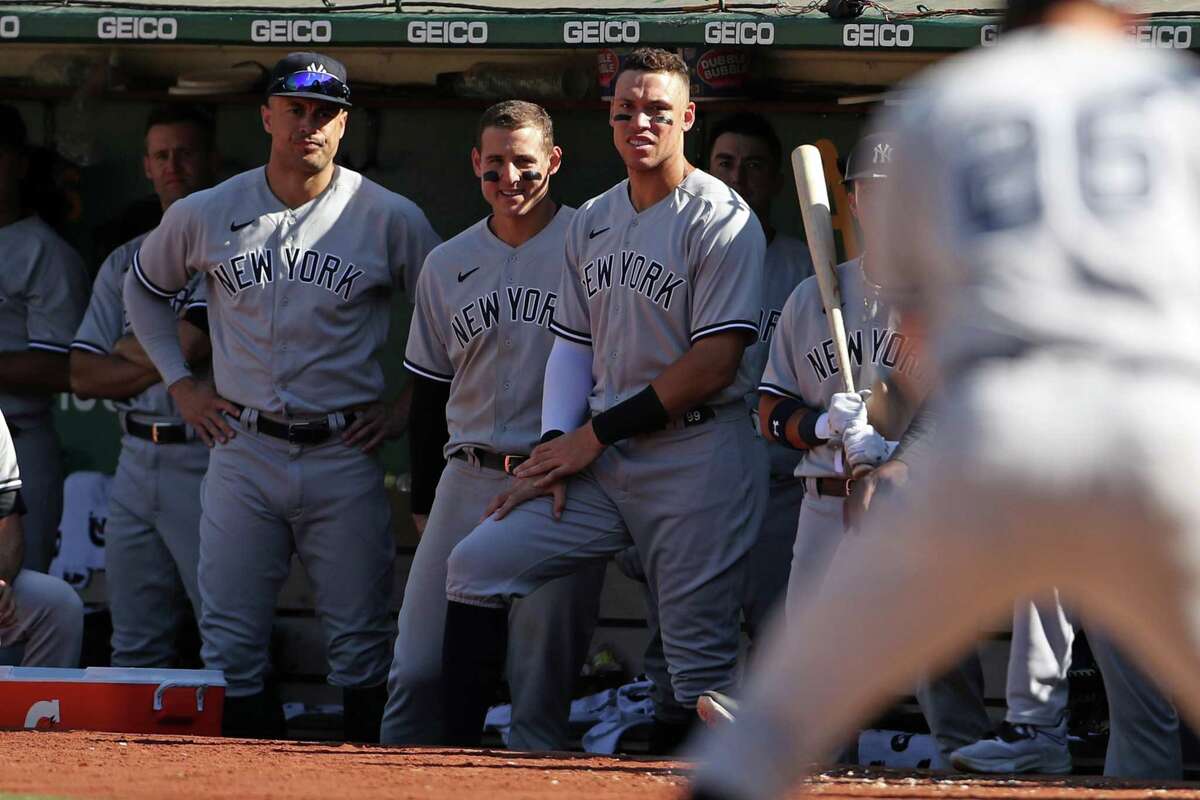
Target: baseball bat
x: 818, y: 229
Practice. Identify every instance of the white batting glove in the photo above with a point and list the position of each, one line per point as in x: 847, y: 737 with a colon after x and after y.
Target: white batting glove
x: 864, y: 447
x: 845, y: 410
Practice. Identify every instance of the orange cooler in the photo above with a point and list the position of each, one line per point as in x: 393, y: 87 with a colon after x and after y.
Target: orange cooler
x: 117, y: 699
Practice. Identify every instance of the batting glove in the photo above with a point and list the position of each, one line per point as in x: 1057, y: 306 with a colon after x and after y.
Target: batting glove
x: 864, y: 447
x: 845, y: 410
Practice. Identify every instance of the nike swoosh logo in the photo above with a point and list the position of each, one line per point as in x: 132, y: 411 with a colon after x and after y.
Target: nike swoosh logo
x: 596, y: 233
x: 462, y: 276
x: 233, y: 226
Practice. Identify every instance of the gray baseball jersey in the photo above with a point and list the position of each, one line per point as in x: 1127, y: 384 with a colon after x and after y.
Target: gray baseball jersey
x: 43, y: 290
x: 299, y: 299
x: 10, y: 473
x: 482, y: 325
x: 105, y: 322
x: 640, y: 288
x: 802, y: 364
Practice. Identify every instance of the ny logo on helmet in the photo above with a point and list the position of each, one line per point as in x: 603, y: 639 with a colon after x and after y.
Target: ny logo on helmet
x: 314, y: 67
x: 882, y: 154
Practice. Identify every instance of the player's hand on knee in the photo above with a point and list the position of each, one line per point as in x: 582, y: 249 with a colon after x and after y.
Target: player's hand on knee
x: 419, y: 522
x: 372, y: 424
x: 204, y: 409
x: 887, y: 478
x: 8, y: 604
x: 562, y: 457
x: 846, y: 409
x: 524, y: 489
x: 864, y: 447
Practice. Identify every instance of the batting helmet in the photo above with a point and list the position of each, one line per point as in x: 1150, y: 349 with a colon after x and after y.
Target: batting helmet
x: 871, y: 158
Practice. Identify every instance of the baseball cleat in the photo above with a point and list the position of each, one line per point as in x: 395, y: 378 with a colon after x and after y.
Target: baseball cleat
x: 716, y: 709
x: 1016, y: 749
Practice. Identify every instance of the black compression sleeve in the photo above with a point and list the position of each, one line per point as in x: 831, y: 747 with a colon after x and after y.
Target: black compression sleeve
x: 427, y: 437
x: 642, y: 413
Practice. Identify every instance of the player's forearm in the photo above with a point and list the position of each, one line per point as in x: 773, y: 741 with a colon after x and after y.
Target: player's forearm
x: 12, y: 547
x: 427, y: 440
x: 108, y: 376
x: 708, y: 367
x: 782, y: 421
x: 567, y: 385
x: 156, y: 327
x: 34, y: 372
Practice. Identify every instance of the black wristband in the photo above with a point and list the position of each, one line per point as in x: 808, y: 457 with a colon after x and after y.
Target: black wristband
x: 807, y: 429
x: 780, y: 414
x: 553, y: 433
x: 642, y: 413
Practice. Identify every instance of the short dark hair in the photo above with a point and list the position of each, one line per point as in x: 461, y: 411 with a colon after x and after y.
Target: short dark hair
x: 511, y: 115
x: 654, y: 59
x: 181, y: 114
x: 747, y: 123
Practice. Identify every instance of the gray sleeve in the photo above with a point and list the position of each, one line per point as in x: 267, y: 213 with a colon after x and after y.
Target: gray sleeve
x: 413, y: 237
x: 727, y: 283
x: 571, y: 320
x: 104, y: 321
x: 915, y: 443
x: 57, y: 298
x: 426, y: 354
x: 10, y: 474
x: 155, y: 325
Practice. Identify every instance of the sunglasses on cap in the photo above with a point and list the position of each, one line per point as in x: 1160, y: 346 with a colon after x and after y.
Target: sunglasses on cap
x: 321, y: 83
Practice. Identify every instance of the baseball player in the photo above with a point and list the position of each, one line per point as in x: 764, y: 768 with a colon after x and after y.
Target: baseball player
x: 482, y: 317
x: 300, y: 259
x: 658, y: 302
x: 801, y: 409
x: 1048, y: 189
x: 38, y: 612
x: 43, y: 291
x: 1143, y: 738
x: 152, y: 538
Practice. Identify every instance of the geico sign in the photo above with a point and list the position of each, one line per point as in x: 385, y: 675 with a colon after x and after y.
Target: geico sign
x: 291, y: 30
x: 595, y: 31
x: 456, y: 32
x: 739, y: 33
x: 882, y: 35
x: 1165, y: 36
x: 136, y: 28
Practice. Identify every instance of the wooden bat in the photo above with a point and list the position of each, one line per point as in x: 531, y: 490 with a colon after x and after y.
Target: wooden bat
x: 818, y: 229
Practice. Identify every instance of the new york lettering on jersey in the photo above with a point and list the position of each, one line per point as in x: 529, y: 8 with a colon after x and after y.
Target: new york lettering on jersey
x: 654, y: 282
x: 287, y: 286
x: 483, y: 325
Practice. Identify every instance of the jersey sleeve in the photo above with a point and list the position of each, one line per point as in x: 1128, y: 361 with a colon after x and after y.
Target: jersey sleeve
x: 412, y: 241
x: 104, y: 321
x: 161, y: 264
x: 780, y: 376
x: 10, y: 474
x: 426, y: 353
x: 571, y: 320
x: 57, y: 297
x: 727, y: 282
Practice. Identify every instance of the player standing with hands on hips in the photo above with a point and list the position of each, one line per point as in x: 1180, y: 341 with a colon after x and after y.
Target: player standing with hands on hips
x: 152, y: 537
x: 658, y: 302
x: 482, y: 318
x: 1044, y: 215
x: 302, y: 259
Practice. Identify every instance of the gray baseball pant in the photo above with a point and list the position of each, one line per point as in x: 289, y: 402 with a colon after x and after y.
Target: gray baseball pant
x: 152, y: 548
x: 49, y: 621
x: 550, y: 630
x: 39, y: 456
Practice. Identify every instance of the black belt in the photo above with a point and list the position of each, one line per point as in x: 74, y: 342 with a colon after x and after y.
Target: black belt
x: 157, y: 432
x: 831, y: 487
x: 501, y: 462
x: 693, y: 416
x: 313, y: 431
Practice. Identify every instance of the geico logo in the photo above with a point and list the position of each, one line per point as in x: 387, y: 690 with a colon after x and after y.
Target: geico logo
x: 1165, y: 36
x: 739, y: 33
x: 595, y: 31
x: 882, y: 35
x: 136, y: 28
x: 456, y: 32
x: 291, y: 30
x: 989, y: 35
x: 10, y: 27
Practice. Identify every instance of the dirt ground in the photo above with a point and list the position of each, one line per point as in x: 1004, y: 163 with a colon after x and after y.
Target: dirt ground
x: 133, y: 767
